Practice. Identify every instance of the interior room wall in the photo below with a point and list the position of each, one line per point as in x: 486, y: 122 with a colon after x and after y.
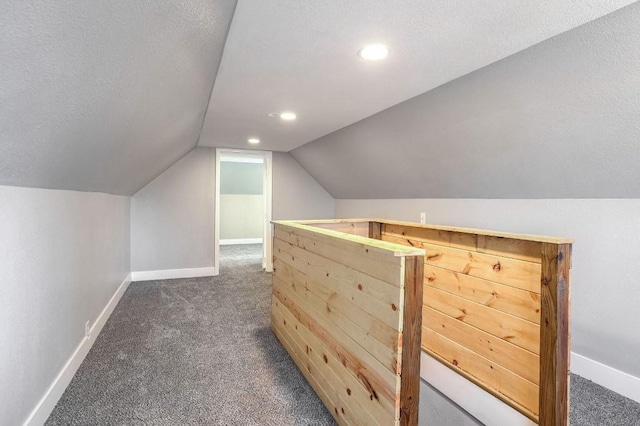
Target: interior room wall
x: 241, y: 200
x: 604, y: 314
x: 296, y: 194
x: 63, y: 255
x: 172, y: 217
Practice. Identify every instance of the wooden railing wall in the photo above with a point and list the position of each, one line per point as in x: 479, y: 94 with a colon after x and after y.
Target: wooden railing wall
x: 495, y: 306
x: 348, y: 310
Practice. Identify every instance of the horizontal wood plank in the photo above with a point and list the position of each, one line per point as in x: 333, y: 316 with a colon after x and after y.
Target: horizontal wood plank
x: 511, y: 272
x: 384, y: 353
x: 336, y: 275
x: 513, y: 358
x: 376, y: 263
x: 364, y: 365
x: 490, y: 374
x: 507, y: 327
x: 343, y: 379
x: 520, y: 303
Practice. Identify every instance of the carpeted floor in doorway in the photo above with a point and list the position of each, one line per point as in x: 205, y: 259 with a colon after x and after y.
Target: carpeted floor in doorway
x: 192, y: 351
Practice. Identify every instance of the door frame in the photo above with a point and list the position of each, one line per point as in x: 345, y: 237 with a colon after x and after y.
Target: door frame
x: 267, y: 231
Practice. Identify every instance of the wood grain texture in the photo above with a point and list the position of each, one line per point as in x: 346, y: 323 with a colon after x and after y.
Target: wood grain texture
x: 512, y: 329
x: 520, y: 361
x: 339, y: 309
x: 411, y: 339
x: 512, y: 272
x: 375, y: 230
x: 520, y: 303
x: 554, y: 335
x: 494, y: 307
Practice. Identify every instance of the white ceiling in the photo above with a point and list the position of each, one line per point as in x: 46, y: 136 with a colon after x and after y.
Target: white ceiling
x: 302, y: 56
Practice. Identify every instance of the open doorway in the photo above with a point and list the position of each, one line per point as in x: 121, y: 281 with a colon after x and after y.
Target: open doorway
x: 243, y: 201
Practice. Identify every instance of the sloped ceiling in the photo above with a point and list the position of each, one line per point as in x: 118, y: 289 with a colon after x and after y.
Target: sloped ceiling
x: 559, y: 120
x: 302, y: 56
x: 104, y: 95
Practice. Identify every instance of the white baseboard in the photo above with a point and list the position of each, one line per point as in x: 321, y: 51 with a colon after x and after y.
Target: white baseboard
x: 616, y: 380
x: 230, y: 242
x: 168, y: 274
x: 46, y: 405
x: 473, y: 399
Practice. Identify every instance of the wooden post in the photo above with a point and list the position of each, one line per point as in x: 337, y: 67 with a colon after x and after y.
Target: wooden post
x: 411, y: 340
x: 375, y: 230
x: 554, y: 335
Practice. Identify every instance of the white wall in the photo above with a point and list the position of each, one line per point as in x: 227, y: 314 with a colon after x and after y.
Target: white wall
x: 63, y: 255
x: 172, y: 217
x: 241, y: 216
x: 605, y: 277
x: 297, y: 195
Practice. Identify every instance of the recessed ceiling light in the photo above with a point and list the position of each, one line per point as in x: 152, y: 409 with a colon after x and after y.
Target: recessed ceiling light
x: 374, y: 52
x: 288, y: 115
x: 253, y: 140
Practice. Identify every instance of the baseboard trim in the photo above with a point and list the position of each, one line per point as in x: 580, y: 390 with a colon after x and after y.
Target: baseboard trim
x: 618, y: 381
x: 230, y: 242
x: 51, y: 397
x: 485, y: 407
x: 168, y: 274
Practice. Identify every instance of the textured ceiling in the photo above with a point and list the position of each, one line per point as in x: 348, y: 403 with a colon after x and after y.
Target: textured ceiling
x: 558, y: 120
x: 301, y: 55
x: 104, y: 95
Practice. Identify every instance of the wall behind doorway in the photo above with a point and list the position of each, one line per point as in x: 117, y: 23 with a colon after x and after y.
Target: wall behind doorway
x: 241, y: 200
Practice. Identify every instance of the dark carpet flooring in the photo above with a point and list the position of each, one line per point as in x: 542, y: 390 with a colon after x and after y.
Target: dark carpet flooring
x: 192, y: 352
x: 200, y: 352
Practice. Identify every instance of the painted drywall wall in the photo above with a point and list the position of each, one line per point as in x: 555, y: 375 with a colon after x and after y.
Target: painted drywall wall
x: 558, y: 120
x: 241, y: 216
x: 172, y: 217
x: 605, y: 294
x: 103, y: 96
x: 297, y: 195
x: 241, y: 200
x: 63, y: 255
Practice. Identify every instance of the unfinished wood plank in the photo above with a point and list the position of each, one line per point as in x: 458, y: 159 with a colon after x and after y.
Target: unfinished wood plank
x: 432, y: 236
x: 521, y: 303
x: 350, y: 407
x: 353, y: 228
x: 384, y: 353
x: 509, y: 247
x: 327, y: 270
x: 383, y: 411
x: 354, y: 357
x: 381, y: 264
x: 375, y: 230
x: 554, y: 335
x: 512, y: 272
x: 382, y: 311
x: 507, y: 327
x: 333, y: 301
x: 487, y: 374
x: 528, y: 237
x: 520, y: 361
x: 340, y: 410
x: 411, y: 337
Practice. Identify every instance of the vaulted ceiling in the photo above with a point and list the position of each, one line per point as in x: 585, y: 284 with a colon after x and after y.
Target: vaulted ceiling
x: 104, y: 96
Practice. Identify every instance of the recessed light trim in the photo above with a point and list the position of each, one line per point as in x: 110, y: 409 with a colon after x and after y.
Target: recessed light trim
x: 288, y: 115
x: 374, y: 52
x: 253, y: 141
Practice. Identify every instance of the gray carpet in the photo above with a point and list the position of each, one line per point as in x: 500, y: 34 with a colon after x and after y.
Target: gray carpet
x: 192, y: 351
x: 200, y: 351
